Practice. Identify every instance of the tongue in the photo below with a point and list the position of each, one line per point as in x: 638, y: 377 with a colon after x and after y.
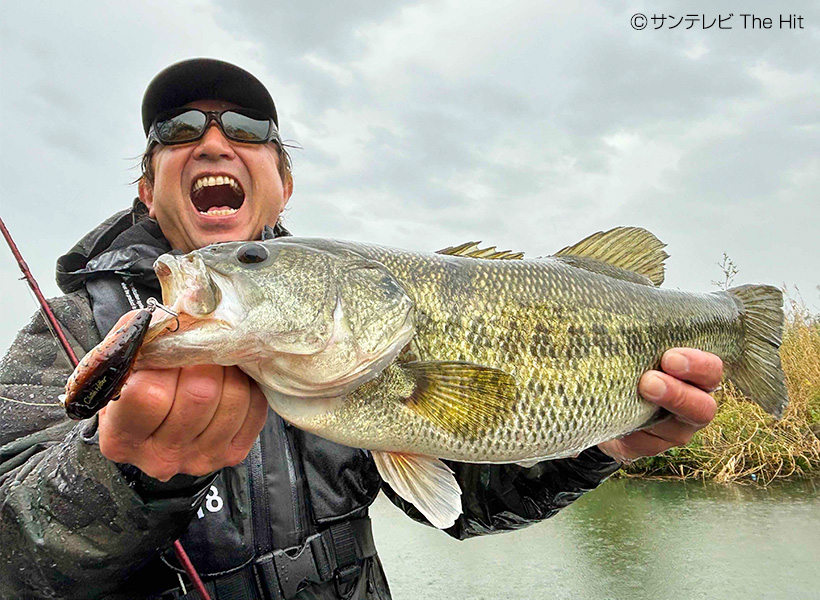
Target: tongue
x: 216, y: 197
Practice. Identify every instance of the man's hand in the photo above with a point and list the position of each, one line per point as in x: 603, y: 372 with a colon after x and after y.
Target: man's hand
x: 682, y: 389
x: 192, y: 420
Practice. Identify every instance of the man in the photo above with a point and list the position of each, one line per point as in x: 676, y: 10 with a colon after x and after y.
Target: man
x: 264, y: 510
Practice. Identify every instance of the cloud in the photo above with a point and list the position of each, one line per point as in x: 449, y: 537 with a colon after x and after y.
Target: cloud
x: 312, y: 27
x: 425, y: 124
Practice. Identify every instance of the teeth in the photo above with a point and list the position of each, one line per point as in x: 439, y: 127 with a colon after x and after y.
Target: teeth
x: 219, y: 213
x: 209, y: 181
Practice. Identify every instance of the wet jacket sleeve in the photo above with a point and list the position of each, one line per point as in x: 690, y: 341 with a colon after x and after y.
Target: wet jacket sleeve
x: 498, y: 498
x: 72, y: 523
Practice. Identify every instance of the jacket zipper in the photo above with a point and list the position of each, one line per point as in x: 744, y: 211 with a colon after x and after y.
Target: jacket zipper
x: 259, y: 500
x: 260, y: 509
x: 295, y: 477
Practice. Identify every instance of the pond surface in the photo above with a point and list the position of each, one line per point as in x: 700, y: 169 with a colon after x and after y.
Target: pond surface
x: 629, y: 539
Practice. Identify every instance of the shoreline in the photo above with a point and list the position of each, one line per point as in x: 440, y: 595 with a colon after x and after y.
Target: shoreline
x: 744, y: 444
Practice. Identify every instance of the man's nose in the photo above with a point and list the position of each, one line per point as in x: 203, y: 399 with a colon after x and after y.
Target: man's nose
x: 214, y: 144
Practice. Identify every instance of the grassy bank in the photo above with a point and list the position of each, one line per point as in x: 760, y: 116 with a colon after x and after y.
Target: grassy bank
x: 745, y: 444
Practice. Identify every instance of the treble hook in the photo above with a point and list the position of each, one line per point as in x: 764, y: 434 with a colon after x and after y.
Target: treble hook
x: 153, y: 304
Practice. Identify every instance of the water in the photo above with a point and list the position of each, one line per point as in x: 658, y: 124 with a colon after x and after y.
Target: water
x: 628, y: 539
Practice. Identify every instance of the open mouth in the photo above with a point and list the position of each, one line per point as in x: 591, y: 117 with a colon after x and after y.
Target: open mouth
x: 217, y: 195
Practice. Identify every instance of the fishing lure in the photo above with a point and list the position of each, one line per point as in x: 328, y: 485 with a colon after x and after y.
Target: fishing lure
x: 101, y: 374
x: 140, y: 330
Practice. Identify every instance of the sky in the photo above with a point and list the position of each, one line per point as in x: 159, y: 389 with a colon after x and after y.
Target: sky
x: 525, y: 124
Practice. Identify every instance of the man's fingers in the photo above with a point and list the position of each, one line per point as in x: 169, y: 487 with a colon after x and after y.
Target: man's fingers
x: 230, y: 414
x: 635, y: 445
x: 144, y: 402
x: 688, y: 403
x: 192, y: 420
x: 699, y: 368
x: 680, y: 389
x: 673, y: 432
x: 197, y: 396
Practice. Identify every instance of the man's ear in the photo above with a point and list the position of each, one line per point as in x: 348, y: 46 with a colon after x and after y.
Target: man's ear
x: 288, y: 188
x: 146, y: 193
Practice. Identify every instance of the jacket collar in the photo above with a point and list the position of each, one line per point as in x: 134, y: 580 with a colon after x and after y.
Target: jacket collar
x: 125, y: 244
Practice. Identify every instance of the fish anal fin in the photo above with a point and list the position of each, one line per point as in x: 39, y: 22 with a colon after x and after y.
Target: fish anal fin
x: 471, y: 250
x: 632, y: 249
x: 460, y: 397
x: 424, y: 481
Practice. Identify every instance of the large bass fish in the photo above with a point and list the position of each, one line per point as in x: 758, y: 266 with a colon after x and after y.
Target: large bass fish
x: 466, y: 355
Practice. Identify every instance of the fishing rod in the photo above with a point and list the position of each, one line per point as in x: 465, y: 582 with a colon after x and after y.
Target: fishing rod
x: 57, y: 329
x: 32, y: 283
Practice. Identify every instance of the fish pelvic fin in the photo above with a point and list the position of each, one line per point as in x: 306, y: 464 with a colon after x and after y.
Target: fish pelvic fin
x: 460, y: 397
x: 424, y: 481
x: 471, y: 250
x: 528, y: 463
x: 758, y: 373
x: 630, y: 253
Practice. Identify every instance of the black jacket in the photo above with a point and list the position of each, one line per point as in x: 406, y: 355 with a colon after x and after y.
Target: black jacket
x: 75, y: 525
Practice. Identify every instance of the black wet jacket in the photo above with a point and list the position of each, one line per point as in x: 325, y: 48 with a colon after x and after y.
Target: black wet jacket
x: 289, y: 521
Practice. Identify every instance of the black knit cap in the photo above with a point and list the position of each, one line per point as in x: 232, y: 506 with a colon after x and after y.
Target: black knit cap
x: 204, y: 79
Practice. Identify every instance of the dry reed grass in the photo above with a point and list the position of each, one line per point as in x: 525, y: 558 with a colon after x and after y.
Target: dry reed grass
x: 743, y: 443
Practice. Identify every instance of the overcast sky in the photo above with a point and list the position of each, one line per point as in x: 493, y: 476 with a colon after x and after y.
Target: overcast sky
x: 527, y: 125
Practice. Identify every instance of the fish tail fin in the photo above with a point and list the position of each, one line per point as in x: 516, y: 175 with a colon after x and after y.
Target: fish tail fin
x: 758, y: 373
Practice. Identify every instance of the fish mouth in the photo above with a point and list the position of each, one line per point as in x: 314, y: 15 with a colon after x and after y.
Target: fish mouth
x: 217, y: 194
x: 187, y: 286
x: 176, y: 341
x: 193, y: 295
x: 164, y: 324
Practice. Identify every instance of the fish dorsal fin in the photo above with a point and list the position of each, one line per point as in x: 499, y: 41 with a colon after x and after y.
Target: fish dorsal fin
x: 594, y: 265
x: 630, y: 249
x: 471, y: 250
x: 460, y: 397
x: 424, y: 481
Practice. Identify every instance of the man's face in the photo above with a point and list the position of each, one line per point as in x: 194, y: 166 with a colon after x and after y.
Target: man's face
x: 193, y: 212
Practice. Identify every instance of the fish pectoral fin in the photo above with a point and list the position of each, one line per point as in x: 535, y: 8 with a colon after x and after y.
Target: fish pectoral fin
x: 621, y: 253
x: 471, y: 250
x: 461, y: 397
x: 424, y: 481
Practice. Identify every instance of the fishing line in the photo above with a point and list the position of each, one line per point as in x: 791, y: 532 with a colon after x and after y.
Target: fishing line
x: 48, y: 323
x: 57, y: 331
x: 29, y: 403
x: 54, y: 334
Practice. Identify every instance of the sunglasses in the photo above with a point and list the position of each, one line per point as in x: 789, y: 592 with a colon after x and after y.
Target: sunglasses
x: 184, y: 125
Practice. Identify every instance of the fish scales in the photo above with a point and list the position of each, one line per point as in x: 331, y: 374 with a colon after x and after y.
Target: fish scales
x: 576, y: 343
x: 467, y: 354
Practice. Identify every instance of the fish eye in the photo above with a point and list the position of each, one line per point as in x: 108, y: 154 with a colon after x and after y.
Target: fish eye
x: 250, y: 254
